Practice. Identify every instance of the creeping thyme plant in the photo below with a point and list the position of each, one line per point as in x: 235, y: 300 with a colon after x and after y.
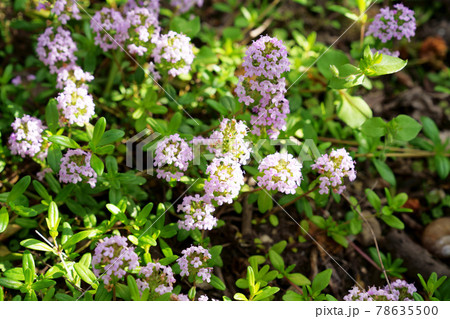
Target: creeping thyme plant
x: 207, y: 150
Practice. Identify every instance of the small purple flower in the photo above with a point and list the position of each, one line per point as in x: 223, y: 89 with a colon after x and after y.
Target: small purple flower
x: 75, y: 104
x: 225, y: 180
x: 110, y: 28
x: 173, y: 52
x: 394, y: 23
x: 333, y: 169
x: 72, y: 75
x: 150, y: 5
x: 143, y: 26
x: 56, y: 49
x: 386, y: 51
x: 76, y: 167
x: 157, y: 278
x: 229, y: 141
x: 62, y: 7
x: 113, y: 258
x: 172, y: 157
x: 267, y: 58
x: 41, y: 175
x: 401, y: 291
x: 281, y: 172
x: 194, y: 263
x: 17, y: 80
x: 198, y: 213
x: 186, y: 5
x: 27, y: 138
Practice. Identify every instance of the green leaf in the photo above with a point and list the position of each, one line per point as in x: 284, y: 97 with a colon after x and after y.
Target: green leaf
x: 28, y: 262
x: 373, y: 199
x: 442, y: 166
x: 35, y: 244
x: 52, y: 115
x: 385, y: 171
x: 404, y: 128
x: 53, y: 216
x: 187, y: 27
x: 155, y: 125
x: 134, y: 290
x: 97, y: 164
x: 63, y: 141
x: 40, y: 189
x: 430, y: 129
x: 237, y: 296
x: 374, y: 127
x: 321, y: 281
x: 264, y: 201
x: 54, y: 157
x: 43, y: 284
x: 19, y: 188
x: 86, y: 274
x: 266, y: 292
x: 299, y: 279
x: 276, y: 260
x: 353, y: 110
x: 217, y: 283
x: 388, y: 65
x: 4, y: 219
x: 99, y: 129
x: 175, y: 122
x: 340, y: 239
x: 10, y: 284
x: 110, y: 137
x: 78, y: 237
x: 393, y: 221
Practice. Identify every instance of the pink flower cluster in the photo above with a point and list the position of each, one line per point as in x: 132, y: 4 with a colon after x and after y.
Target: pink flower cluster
x: 333, y: 168
x: 56, y: 49
x: 75, y: 104
x: 157, y: 278
x: 194, y: 263
x: 61, y: 8
x: 281, y: 172
x: 112, y: 258
x: 394, y: 23
x: 186, y: 5
x: 262, y: 86
x: 229, y: 141
x: 198, y: 213
x: 76, y: 167
x: 142, y: 27
x: 401, y: 291
x: 27, y: 140
x: 110, y: 29
x: 225, y: 180
x: 172, y: 157
x: 173, y: 52
x: 72, y: 75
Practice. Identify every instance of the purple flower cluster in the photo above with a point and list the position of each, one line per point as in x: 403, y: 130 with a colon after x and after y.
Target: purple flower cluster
x: 142, y: 27
x: 194, y: 263
x: 173, y: 52
x: 110, y: 29
x: 76, y: 167
x: 112, y: 258
x: 56, y: 50
x: 225, y: 180
x: 27, y: 138
x: 386, y: 51
x: 394, y: 23
x: 333, y: 168
x: 72, y: 75
x: 229, y: 141
x: 75, y: 104
x: 150, y: 5
x: 157, y: 278
x: 185, y: 5
x: 262, y: 86
x: 198, y: 213
x: 172, y: 157
x: 61, y: 8
x: 401, y: 291
x: 280, y: 172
